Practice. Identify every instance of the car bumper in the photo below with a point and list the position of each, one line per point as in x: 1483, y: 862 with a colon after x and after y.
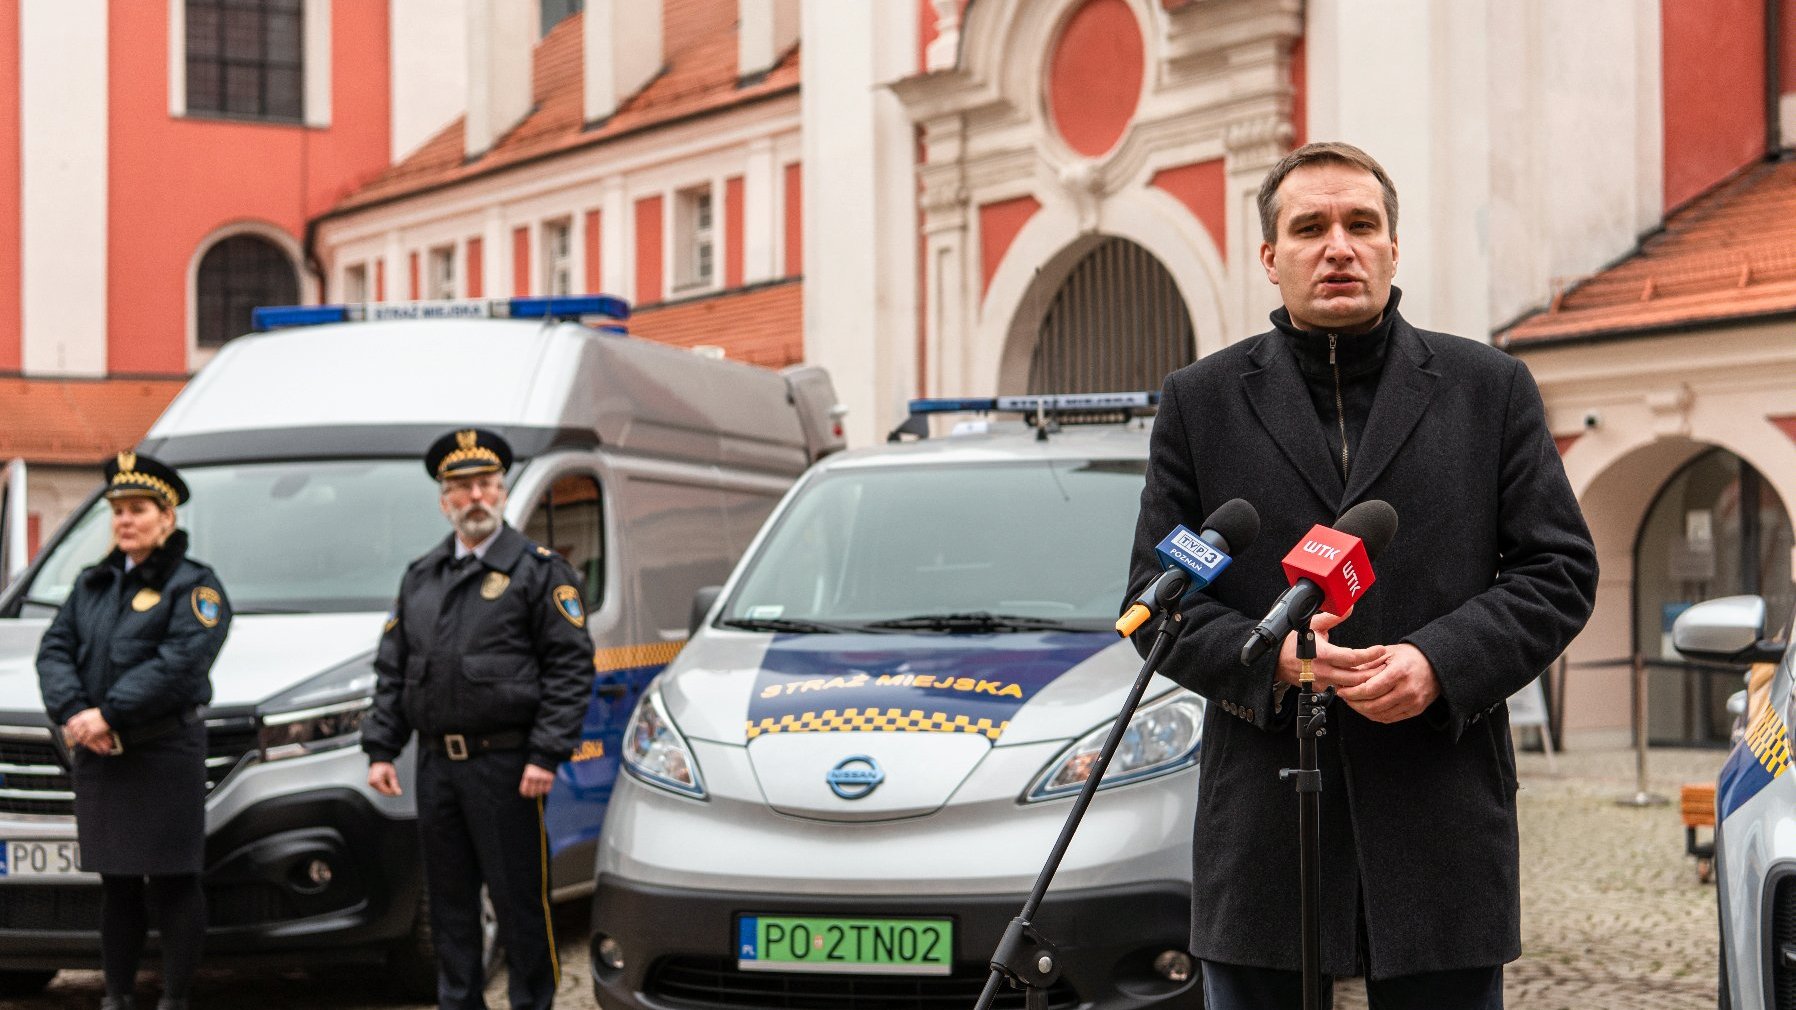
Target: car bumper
x: 269, y: 828
x: 678, y: 948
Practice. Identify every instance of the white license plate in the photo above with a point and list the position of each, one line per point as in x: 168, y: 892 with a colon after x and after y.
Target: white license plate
x: 22, y: 860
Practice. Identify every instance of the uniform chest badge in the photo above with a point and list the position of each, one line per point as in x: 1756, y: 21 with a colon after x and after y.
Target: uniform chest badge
x: 145, y: 599
x: 208, y: 606
x: 567, y: 603
x: 495, y: 585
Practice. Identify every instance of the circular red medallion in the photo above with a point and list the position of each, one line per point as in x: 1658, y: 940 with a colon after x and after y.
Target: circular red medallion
x: 1094, y: 76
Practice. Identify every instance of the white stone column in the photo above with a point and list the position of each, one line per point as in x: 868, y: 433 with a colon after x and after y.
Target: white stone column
x: 859, y: 199
x: 616, y: 254
x: 63, y: 187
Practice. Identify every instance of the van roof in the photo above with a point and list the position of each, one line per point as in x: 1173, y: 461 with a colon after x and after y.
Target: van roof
x: 318, y: 384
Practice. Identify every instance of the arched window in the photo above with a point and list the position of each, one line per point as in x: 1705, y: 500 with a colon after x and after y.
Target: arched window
x: 1717, y: 528
x: 1117, y: 323
x: 236, y: 275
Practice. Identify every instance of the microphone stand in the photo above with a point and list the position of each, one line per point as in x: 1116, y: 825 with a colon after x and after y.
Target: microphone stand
x: 1311, y: 722
x: 1024, y: 957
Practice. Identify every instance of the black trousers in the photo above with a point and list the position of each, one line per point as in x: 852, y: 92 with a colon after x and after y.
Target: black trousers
x: 477, y: 829
x: 1237, y: 987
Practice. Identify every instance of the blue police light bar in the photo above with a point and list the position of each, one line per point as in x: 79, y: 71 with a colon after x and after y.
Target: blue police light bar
x: 1047, y: 406
x: 1030, y: 404
x: 558, y: 307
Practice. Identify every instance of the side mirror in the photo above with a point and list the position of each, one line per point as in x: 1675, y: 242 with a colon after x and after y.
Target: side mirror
x: 702, y: 602
x: 1727, y: 630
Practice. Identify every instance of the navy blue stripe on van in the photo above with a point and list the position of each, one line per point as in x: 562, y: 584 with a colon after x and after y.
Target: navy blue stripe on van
x: 908, y: 683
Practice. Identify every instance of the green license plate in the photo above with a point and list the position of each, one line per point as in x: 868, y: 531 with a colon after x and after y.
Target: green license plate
x: 865, y: 946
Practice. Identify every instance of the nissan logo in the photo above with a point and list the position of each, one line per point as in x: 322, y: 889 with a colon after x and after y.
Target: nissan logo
x: 854, y: 777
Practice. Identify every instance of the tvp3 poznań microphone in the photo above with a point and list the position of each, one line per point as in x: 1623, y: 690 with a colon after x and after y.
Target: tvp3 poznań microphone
x: 1330, y: 567
x: 1190, y: 561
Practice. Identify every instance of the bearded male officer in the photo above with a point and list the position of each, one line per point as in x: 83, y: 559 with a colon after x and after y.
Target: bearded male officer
x: 1490, y: 575
x: 486, y: 656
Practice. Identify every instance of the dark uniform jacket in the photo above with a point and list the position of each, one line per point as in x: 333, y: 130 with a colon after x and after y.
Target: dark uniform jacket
x: 1490, y: 575
x: 499, y: 645
x: 138, y: 645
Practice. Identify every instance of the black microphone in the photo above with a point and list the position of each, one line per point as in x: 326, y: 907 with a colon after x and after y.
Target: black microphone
x: 1330, y: 567
x: 1192, y: 561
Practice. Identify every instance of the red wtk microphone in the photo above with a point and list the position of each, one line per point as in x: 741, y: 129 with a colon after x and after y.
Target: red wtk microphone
x: 1330, y: 568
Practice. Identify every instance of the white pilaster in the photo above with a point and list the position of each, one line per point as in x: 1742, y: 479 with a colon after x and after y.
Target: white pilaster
x: 765, y: 30
x: 398, y: 269
x: 63, y: 172
x: 429, y: 85
x: 317, y: 29
x: 623, y: 52
x: 616, y: 262
x: 760, y: 197
x: 859, y: 218
x: 501, y: 37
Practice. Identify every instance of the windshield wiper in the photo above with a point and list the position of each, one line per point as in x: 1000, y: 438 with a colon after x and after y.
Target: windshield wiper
x: 35, y: 602
x: 973, y: 622
x: 790, y: 624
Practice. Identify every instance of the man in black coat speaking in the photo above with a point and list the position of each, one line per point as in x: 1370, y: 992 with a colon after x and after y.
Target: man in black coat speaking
x: 1491, y: 574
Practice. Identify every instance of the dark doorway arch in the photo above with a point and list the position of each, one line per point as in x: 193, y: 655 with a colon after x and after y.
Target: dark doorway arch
x: 1116, y: 323
x: 1717, y: 528
x: 237, y: 274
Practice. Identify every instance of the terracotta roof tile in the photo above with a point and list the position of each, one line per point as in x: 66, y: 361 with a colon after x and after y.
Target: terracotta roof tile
x: 760, y: 325
x: 1730, y: 254
x: 700, y: 76
x: 77, y: 420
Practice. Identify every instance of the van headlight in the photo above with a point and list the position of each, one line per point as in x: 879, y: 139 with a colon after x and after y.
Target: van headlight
x: 323, y: 713
x: 656, y: 752
x: 1163, y: 737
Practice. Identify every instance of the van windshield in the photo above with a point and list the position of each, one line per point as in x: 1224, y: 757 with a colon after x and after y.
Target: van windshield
x: 986, y: 547
x: 288, y: 537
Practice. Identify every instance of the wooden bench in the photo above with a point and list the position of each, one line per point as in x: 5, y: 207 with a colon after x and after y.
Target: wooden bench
x: 1696, y: 803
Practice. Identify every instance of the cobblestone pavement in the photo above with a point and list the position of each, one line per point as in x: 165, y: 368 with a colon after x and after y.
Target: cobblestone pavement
x: 1613, y: 915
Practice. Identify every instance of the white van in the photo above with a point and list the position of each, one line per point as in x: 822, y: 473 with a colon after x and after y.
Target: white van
x: 873, y: 739
x: 649, y: 468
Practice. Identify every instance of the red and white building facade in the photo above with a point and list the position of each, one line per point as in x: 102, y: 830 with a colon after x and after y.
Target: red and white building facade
x: 937, y: 197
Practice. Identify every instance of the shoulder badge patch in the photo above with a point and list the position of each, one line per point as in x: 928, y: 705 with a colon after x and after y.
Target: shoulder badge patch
x: 494, y: 586
x: 145, y: 599
x: 208, y: 606
x: 544, y: 552
x: 567, y: 603
x: 392, y: 620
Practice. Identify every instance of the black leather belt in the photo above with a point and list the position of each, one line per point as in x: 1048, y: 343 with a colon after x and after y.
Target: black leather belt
x: 460, y: 746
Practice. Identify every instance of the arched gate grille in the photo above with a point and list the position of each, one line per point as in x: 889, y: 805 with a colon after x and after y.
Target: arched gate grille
x: 1117, y: 323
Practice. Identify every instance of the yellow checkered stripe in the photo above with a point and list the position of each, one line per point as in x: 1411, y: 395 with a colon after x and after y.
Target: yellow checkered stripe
x: 1769, y: 741
x: 866, y: 720
x: 631, y: 657
x: 479, y: 452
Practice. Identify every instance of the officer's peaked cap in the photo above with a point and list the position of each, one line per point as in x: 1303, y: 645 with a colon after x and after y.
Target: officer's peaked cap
x: 135, y: 475
x: 466, y: 452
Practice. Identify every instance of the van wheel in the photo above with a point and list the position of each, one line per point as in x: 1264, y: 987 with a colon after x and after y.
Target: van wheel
x: 24, y: 983
x: 412, y: 962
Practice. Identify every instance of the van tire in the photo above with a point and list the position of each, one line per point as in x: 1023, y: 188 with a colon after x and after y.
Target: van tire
x: 24, y: 983
x: 412, y: 962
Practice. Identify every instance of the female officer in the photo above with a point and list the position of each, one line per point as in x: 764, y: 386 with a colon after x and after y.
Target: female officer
x: 123, y: 670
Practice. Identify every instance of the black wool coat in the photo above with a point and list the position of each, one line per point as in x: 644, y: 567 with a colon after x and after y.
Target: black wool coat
x: 1491, y: 574
x: 139, y: 646
x: 499, y: 645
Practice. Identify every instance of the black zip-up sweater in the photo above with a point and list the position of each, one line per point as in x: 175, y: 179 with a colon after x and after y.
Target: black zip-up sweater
x: 1342, y: 388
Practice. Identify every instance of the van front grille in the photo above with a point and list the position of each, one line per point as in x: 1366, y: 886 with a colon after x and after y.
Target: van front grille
x: 713, y: 983
x: 35, y: 780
